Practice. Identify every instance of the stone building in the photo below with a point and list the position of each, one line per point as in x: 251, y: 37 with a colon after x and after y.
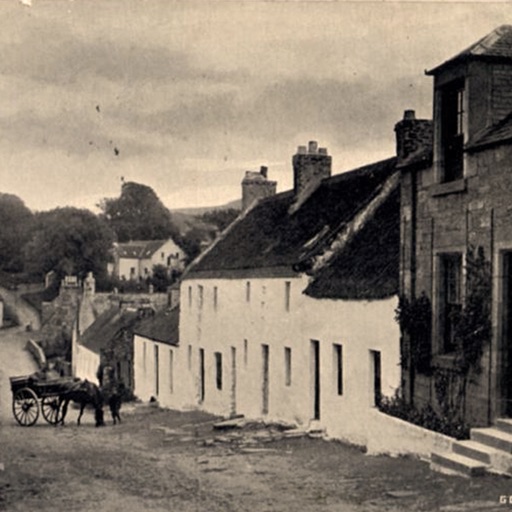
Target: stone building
x: 456, y: 232
x: 289, y: 315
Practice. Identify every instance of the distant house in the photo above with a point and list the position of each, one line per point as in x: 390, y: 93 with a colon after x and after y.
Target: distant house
x: 155, y: 353
x: 290, y: 314
x: 108, y: 341
x: 135, y: 260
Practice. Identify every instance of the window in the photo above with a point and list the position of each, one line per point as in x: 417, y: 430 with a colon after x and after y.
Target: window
x: 200, y: 291
x: 190, y: 357
x: 338, y: 368
x: 132, y: 271
x: 248, y: 291
x: 218, y: 370
x: 246, y: 351
x: 450, y: 298
x: 215, y: 298
x: 144, y: 349
x: 162, y: 256
x: 171, y: 371
x: 287, y: 366
x: 189, y: 296
x: 452, y: 131
x: 287, y: 289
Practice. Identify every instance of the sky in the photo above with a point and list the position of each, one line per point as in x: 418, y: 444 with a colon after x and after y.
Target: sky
x: 185, y: 96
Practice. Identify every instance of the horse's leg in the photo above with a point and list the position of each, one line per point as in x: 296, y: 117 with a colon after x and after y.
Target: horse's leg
x: 82, y: 407
x: 65, y: 403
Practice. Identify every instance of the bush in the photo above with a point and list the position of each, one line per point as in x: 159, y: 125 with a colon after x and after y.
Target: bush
x: 426, y: 417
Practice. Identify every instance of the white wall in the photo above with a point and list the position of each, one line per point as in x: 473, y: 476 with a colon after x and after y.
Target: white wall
x: 86, y: 363
x: 359, y: 326
x: 125, y: 264
x: 173, y: 374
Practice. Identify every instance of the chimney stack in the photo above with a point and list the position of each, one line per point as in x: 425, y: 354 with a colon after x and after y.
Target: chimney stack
x: 413, y: 137
x: 310, y: 167
x: 256, y: 186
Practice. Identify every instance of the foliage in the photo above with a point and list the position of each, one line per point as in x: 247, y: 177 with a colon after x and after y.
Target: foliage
x: 448, y: 424
x: 415, y: 319
x: 15, y: 224
x: 69, y: 241
x: 138, y: 214
x: 161, y: 279
x: 474, y: 327
x: 221, y: 218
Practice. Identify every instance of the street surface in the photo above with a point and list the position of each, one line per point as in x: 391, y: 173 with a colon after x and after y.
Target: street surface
x: 169, y: 461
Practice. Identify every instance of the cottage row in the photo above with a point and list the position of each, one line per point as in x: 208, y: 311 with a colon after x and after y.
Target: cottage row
x: 291, y: 313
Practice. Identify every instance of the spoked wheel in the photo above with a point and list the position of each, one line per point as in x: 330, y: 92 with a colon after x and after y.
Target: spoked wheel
x: 25, y: 407
x: 50, y: 409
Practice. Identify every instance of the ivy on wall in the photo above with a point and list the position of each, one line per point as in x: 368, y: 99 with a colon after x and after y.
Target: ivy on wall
x: 415, y: 319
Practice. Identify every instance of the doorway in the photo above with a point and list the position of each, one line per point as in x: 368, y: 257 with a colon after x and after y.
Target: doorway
x: 315, y: 377
x: 375, y: 362
x: 265, y: 376
x: 506, y: 337
x: 233, y: 381
x: 201, y: 375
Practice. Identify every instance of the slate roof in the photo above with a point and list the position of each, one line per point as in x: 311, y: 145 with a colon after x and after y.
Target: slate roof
x: 162, y: 327
x: 139, y: 249
x: 107, y: 326
x: 495, y: 46
x: 273, y: 240
x: 368, y: 266
x: 499, y: 133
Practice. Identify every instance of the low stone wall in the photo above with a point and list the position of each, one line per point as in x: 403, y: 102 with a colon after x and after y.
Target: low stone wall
x: 37, y: 352
x: 393, y: 436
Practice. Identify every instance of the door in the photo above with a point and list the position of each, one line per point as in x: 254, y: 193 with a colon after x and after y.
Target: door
x: 201, y: 375
x: 506, y: 338
x: 157, y: 372
x: 315, y: 377
x: 376, y: 376
x: 233, y: 381
x: 265, y: 376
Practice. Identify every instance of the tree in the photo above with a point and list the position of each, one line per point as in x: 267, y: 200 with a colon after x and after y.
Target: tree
x: 222, y: 218
x: 69, y: 241
x: 138, y: 214
x: 15, y: 223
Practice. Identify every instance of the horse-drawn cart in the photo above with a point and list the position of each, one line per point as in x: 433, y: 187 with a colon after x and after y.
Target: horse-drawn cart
x: 31, y: 394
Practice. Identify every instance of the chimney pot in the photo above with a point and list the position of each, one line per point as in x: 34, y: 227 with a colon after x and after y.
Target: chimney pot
x: 264, y: 171
x: 301, y: 150
x: 322, y: 151
x: 409, y: 115
x: 312, y: 146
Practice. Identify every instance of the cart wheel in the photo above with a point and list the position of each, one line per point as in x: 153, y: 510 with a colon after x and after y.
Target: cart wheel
x: 50, y: 409
x: 25, y: 407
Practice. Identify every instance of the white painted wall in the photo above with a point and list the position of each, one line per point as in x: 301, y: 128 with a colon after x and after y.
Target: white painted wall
x: 125, y: 266
x: 173, y: 373
x: 159, y: 257
x: 359, y: 326
x: 86, y: 363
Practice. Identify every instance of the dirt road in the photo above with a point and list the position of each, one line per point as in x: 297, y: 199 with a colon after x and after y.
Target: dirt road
x: 14, y: 359
x: 169, y: 461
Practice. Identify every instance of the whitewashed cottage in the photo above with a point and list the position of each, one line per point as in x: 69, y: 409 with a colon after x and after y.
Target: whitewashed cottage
x: 135, y: 259
x: 290, y: 314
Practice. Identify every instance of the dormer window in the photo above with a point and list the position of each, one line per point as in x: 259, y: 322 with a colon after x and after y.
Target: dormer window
x: 452, y: 131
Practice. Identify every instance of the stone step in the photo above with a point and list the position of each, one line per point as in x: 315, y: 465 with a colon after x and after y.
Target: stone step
x: 493, y: 437
x: 504, y: 424
x: 453, y: 463
x: 474, y: 450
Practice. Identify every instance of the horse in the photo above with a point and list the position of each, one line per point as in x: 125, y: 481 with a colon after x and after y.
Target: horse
x: 83, y: 393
